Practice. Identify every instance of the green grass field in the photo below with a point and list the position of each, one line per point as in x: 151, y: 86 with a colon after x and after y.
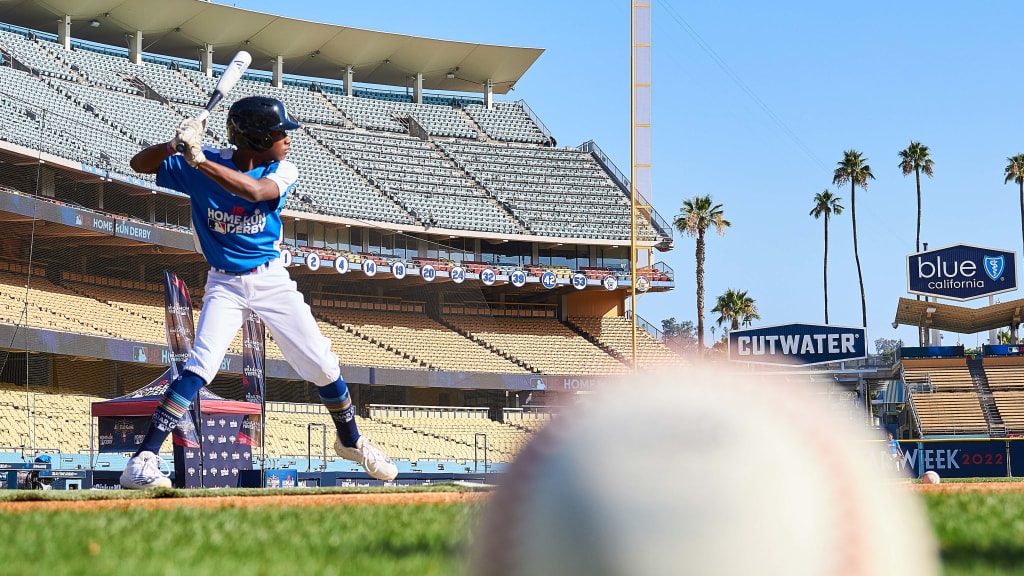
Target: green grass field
x: 979, y: 534
x: 386, y: 540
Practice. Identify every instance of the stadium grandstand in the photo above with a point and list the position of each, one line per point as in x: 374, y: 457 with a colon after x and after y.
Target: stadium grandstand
x: 471, y: 273
x: 949, y: 391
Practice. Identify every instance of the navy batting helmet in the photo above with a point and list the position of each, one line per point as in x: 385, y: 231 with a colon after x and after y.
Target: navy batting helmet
x: 252, y: 119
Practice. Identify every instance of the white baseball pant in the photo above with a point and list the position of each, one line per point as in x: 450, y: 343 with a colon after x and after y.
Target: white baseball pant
x: 273, y: 295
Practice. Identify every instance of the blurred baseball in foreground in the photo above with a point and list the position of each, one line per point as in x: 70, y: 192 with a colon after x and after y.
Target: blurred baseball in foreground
x: 703, y: 473
x: 930, y: 477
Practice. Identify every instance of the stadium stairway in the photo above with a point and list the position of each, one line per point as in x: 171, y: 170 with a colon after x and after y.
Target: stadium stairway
x: 996, y: 426
x: 597, y: 342
x: 491, y: 347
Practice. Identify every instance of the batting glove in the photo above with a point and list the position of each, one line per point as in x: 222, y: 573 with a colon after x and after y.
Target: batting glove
x: 190, y: 130
x: 194, y: 154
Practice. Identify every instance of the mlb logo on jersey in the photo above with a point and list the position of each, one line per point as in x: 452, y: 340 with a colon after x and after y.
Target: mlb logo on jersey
x: 219, y: 227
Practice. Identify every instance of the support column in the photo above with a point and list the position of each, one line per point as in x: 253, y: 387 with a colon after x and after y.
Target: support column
x: 349, y: 73
x: 135, y: 47
x: 993, y: 336
x: 64, y: 31
x: 489, y: 94
x: 47, y: 186
x: 207, y: 61
x: 417, y: 88
x: 278, y: 71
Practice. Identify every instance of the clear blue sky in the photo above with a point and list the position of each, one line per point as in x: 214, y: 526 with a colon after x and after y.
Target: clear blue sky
x: 754, y: 104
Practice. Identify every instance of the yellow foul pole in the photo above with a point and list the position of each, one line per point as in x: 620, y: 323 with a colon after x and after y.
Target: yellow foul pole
x: 640, y: 139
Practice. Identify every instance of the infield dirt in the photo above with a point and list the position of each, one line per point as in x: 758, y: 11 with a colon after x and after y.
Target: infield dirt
x: 297, y: 500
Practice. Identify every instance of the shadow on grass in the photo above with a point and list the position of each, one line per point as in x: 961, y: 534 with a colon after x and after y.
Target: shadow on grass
x: 969, y: 558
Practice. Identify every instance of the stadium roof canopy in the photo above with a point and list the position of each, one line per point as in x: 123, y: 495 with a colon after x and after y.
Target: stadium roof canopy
x: 180, y: 28
x: 959, y: 319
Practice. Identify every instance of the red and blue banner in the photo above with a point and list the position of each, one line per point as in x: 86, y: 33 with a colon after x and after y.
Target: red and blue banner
x: 957, y: 458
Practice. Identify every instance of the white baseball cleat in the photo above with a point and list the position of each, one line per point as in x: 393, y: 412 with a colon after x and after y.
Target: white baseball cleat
x: 369, y: 456
x: 143, y: 472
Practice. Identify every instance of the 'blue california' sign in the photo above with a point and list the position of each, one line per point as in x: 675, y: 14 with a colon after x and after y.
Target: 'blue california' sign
x: 962, y: 272
x: 797, y: 344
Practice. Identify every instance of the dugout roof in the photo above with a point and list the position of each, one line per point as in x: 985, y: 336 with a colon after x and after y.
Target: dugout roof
x: 958, y: 319
x: 180, y: 28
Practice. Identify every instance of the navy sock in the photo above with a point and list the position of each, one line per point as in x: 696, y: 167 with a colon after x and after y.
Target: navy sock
x: 170, y: 410
x: 336, y: 398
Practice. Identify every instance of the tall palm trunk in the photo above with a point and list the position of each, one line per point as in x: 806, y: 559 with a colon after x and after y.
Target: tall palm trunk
x: 826, y: 269
x: 1021, y: 184
x: 856, y: 254
x: 700, y: 291
x: 917, y: 173
x: 922, y: 332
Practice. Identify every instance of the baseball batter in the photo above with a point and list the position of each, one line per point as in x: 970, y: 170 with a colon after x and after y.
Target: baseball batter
x: 236, y: 196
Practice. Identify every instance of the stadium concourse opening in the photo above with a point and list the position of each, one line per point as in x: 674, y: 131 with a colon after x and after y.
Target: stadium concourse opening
x: 464, y: 308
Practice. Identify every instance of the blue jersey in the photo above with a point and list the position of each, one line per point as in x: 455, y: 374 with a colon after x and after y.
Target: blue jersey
x: 231, y: 232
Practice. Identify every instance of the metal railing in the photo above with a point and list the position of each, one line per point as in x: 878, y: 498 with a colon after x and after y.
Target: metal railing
x: 536, y: 119
x: 650, y: 328
x: 659, y: 223
x: 480, y: 447
x: 309, y: 446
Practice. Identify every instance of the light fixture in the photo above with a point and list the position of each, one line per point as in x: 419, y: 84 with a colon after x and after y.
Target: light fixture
x: 94, y: 23
x: 450, y: 75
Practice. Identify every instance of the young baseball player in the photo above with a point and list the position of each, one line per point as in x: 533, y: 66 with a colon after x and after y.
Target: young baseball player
x: 236, y: 196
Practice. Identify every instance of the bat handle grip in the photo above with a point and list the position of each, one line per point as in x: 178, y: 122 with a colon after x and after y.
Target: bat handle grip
x: 202, y: 116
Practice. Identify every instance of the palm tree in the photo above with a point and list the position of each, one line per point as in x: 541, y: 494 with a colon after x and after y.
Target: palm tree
x: 825, y: 204
x: 1015, y: 171
x: 915, y: 159
x: 699, y: 214
x: 735, y: 308
x: 854, y: 169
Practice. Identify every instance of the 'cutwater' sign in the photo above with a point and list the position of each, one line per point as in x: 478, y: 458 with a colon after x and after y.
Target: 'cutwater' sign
x: 797, y: 344
x: 962, y: 272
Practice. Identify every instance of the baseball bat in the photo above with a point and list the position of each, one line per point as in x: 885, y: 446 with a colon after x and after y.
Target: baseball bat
x: 239, y: 64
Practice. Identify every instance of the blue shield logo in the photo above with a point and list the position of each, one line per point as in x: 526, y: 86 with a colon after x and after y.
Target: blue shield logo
x: 994, y: 266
